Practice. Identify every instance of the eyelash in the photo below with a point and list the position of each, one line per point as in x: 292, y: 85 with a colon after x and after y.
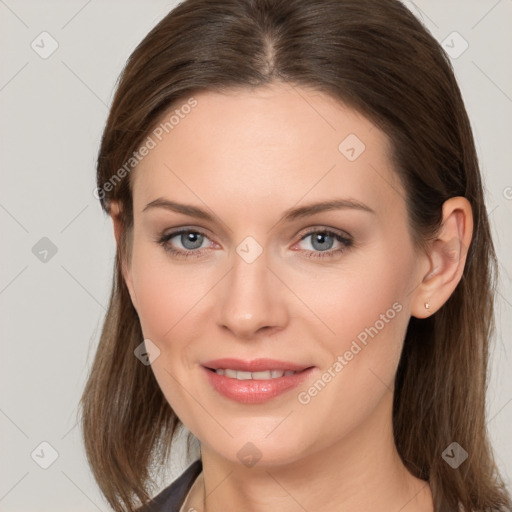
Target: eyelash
x: 195, y: 253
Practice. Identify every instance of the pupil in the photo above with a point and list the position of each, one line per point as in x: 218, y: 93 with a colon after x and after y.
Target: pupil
x: 321, y: 239
x: 191, y: 240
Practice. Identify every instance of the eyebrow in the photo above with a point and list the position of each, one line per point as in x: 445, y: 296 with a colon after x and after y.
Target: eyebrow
x: 288, y: 216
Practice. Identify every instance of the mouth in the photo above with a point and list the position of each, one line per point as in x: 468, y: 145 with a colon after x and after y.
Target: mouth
x: 262, y: 375
x: 256, y: 381
x: 253, y: 366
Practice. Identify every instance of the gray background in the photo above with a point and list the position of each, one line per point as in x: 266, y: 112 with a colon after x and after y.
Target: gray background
x: 53, y: 111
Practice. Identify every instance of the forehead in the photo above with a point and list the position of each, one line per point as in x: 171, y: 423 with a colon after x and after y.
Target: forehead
x: 279, y: 142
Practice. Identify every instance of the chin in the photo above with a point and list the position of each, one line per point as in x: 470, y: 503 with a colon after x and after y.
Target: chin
x: 255, y: 447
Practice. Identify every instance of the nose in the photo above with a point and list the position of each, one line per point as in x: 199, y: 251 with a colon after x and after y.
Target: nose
x: 251, y: 300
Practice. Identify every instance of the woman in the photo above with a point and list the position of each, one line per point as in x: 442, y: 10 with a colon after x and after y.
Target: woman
x: 304, y: 273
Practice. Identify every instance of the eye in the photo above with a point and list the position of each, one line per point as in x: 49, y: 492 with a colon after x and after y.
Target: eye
x: 321, y: 243
x: 189, y: 243
x: 184, y: 243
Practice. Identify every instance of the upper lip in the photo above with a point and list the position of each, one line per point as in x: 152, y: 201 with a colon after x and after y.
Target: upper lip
x: 253, y: 365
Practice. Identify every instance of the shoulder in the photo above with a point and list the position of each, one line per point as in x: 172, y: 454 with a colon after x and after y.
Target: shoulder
x: 172, y: 497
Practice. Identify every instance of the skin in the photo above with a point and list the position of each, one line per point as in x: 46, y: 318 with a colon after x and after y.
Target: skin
x: 247, y: 156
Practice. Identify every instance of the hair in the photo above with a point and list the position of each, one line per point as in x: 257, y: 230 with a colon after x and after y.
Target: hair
x: 376, y: 57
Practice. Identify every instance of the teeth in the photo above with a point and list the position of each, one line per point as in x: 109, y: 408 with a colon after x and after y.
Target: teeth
x: 265, y: 375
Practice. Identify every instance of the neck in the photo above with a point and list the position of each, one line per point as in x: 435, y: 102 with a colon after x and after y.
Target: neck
x: 361, y: 472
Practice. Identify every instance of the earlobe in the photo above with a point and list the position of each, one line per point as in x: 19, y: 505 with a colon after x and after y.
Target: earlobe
x: 447, y: 257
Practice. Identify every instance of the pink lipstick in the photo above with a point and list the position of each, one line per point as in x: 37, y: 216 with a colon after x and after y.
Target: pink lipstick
x: 255, y: 381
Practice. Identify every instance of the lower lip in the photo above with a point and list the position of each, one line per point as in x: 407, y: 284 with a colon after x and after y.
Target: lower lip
x: 254, y: 391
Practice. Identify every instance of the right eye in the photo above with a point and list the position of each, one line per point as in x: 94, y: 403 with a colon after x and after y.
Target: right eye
x: 190, y: 240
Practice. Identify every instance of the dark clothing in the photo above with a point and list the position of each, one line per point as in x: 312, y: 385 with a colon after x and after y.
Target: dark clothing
x: 172, y: 497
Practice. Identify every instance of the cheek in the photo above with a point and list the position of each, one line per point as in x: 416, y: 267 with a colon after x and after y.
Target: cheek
x: 377, y: 315
x: 364, y: 317
x: 165, y: 293
x: 368, y: 317
x: 367, y: 289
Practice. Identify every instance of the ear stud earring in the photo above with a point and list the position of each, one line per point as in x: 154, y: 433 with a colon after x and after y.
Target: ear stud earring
x: 427, y: 305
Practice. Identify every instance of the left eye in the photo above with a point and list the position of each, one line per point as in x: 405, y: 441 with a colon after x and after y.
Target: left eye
x: 322, y: 241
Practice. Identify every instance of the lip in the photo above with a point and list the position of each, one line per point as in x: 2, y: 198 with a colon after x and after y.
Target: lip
x: 256, y: 365
x: 254, y: 391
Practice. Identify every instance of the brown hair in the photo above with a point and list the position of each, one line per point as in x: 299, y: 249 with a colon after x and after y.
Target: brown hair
x: 376, y: 57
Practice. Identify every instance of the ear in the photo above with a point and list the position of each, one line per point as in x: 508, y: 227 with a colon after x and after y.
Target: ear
x: 447, y: 258
x: 116, y: 215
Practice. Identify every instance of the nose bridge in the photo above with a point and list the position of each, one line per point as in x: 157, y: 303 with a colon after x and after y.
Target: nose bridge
x: 250, y: 298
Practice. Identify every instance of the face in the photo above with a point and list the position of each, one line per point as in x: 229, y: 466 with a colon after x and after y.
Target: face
x: 261, y: 274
